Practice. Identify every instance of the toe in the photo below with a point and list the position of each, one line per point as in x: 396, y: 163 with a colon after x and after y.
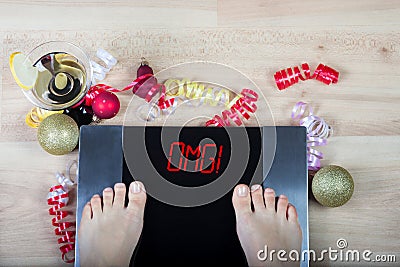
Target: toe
x: 95, y: 202
x: 257, y: 197
x: 241, y: 200
x: 269, y: 196
x: 137, y: 198
x: 108, y: 195
x: 292, y: 214
x: 119, y: 198
x: 87, y: 212
x: 282, y: 206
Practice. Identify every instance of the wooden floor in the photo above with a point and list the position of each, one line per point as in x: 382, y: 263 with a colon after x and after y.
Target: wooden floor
x: 361, y: 39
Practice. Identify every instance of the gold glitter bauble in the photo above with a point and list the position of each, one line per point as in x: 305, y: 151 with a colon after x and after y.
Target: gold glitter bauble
x: 58, y: 134
x: 332, y: 186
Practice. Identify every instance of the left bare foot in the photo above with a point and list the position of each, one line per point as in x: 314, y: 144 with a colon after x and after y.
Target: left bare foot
x: 108, y: 233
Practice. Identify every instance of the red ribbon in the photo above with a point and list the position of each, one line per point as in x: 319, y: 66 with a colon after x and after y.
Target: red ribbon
x: 59, y: 201
x: 163, y: 103
x: 245, y: 104
x: 287, y: 77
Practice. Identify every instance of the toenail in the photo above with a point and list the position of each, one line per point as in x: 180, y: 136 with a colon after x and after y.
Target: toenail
x: 135, y: 188
x: 108, y: 189
x: 255, y: 187
x: 242, y: 191
x: 120, y: 185
x: 282, y: 196
x: 269, y: 190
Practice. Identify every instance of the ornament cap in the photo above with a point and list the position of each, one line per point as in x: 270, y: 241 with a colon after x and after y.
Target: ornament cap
x: 143, y: 61
x: 96, y: 119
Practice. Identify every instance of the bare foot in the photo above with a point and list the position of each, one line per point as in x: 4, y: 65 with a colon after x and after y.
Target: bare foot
x: 277, y: 229
x: 108, y: 235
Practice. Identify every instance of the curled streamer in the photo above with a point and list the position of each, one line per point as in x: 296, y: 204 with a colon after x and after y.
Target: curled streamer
x: 287, y: 77
x: 58, y: 198
x: 318, y: 131
x: 175, y: 90
x: 243, y: 103
x: 187, y: 90
x: 99, y: 71
x: 36, y: 115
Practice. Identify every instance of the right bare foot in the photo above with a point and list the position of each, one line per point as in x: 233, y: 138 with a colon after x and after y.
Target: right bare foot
x: 277, y: 229
x: 109, y: 232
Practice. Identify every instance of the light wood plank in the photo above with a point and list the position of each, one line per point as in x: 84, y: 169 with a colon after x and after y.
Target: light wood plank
x: 311, y: 14
x: 106, y: 15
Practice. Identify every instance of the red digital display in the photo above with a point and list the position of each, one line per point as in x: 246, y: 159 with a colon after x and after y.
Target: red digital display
x: 207, y: 158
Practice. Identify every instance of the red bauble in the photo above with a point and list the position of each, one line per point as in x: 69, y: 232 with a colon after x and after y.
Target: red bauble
x: 91, y: 95
x: 105, y: 105
x: 144, y: 69
x: 145, y: 83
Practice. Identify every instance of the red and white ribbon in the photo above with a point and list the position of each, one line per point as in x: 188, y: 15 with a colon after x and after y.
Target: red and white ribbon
x: 245, y: 104
x: 58, y: 198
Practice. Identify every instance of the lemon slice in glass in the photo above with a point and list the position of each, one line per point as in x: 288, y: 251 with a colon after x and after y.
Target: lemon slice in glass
x: 24, y: 73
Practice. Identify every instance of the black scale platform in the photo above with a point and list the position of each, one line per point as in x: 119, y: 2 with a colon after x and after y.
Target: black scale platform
x: 202, y: 234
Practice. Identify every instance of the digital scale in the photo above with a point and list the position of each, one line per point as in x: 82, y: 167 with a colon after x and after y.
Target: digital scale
x: 189, y: 174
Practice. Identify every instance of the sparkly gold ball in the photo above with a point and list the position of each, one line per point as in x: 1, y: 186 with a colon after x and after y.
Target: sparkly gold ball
x: 332, y: 186
x: 58, y: 134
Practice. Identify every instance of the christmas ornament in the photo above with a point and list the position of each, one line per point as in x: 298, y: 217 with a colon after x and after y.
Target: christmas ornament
x: 145, y: 86
x: 144, y: 68
x: 81, y: 115
x: 147, y: 80
x: 332, y: 186
x: 58, y: 134
x: 144, y: 78
x: 91, y: 95
x: 105, y: 105
x: 285, y: 78
x: 318, y: 131
x: 58, y: 198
